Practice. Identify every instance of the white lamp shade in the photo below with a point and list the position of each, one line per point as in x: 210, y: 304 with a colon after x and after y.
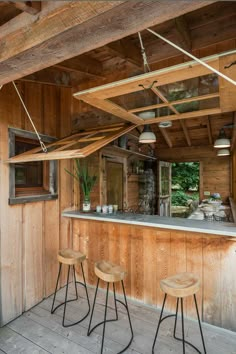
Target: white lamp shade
x: 222, y: 141
x: 146, y: 115
x: 147, y: 136
x: 223, y: 152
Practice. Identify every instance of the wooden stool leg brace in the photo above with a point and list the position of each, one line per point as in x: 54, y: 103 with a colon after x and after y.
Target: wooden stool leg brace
x: 66, y: 294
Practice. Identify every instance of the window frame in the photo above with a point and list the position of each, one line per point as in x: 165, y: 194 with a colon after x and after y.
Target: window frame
x: 52, y: 173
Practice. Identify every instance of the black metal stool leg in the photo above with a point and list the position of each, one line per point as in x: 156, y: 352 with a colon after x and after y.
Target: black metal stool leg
x: 114, y: 293
x: 159, y: 322
x: 182, y: 320
x: 54, y: 297
x: 199, y: 322
x: 76, y: 291
x: 176, y: 315
x: 67, y: 284
x: 105, y: 317
x: 91, y: 317
x: 130, y: 324
x: 85, y: 286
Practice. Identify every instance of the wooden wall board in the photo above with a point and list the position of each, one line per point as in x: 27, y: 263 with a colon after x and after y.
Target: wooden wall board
x: 11, y: 244
x: 151, y: 254
x: 32, y: 234
x: 33, y: 254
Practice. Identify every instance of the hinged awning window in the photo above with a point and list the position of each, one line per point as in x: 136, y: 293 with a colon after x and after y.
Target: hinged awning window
x: 79, y: 145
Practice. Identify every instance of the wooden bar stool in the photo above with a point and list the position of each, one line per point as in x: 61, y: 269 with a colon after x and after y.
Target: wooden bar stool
x: 110, y: 273
x: 71, y: 258
x: 180, y: 285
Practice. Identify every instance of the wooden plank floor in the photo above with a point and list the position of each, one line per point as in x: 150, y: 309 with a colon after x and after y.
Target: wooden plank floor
x: 37, y: 331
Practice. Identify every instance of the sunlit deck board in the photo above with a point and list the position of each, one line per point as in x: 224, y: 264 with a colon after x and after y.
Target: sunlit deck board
x: 38, y: 330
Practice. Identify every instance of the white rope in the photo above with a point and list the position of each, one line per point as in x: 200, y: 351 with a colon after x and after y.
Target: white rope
x: 145, y: 62
x: 193, y: 57
x: 31, y: 121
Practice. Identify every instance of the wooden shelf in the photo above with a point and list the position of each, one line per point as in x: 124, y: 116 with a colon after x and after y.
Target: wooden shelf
x: 125, y: 152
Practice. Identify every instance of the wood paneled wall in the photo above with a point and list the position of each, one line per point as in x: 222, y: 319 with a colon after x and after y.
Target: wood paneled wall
x: 32, y: 233
x: 215, y: 172
x: 151, y: 254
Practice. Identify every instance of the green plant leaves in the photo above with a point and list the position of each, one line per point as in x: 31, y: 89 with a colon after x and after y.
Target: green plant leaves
x: 82, y: 175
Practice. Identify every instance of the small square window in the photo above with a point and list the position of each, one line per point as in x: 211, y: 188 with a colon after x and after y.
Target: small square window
x: 30, y: 181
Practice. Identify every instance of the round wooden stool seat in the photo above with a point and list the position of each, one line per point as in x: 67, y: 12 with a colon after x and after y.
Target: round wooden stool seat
x: 70, y: 257
x: 181, y: 285
x: 109, y: 271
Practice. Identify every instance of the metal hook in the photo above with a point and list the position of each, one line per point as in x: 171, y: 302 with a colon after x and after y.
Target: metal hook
x: 231, y: 64
x: 148, y: 87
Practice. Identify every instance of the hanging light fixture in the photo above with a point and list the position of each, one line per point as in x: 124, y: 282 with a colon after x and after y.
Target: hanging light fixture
x: 147, y: 136
x: 223, y: 152
x: 222, y: 141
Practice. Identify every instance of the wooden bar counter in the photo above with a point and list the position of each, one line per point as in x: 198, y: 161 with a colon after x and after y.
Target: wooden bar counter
x: 152, y: 248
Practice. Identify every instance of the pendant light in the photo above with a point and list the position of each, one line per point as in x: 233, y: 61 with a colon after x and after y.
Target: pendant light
x: 147, y: 136
x: 222, y: 141
x: 223, y: 152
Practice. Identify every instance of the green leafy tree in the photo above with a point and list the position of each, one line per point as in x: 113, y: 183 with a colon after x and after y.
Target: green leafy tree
x: 185, y: 174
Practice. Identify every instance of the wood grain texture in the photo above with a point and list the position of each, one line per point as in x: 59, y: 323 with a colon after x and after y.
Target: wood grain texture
x: 152, y: 254
x: 30, y: 236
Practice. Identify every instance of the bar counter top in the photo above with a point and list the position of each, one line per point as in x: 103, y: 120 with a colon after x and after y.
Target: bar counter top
x: 201, y: 226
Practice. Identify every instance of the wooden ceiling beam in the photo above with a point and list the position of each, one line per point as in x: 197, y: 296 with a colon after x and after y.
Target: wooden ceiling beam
x: 75, y: 28
x: 31, y: 7
x: 125, y: 49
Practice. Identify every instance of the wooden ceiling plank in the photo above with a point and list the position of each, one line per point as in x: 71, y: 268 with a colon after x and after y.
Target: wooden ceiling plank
x: 209, y: 132
x: 84, y: 64
x: 22, y: 53
x: 31, y: 7
x: 183, y: 32
x: 125, y: 49
x: 233, y: 140
x: 166, y: 137
x: 186, y: 133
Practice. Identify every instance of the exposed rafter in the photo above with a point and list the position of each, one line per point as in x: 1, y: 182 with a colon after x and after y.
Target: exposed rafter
x: 209, y: 132
x: 166, y: 137
x: 186, y: 133
x: 62, y: 22
x: 183, y: 32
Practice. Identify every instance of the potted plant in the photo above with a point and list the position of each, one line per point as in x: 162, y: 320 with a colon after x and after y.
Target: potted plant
x: 86, y: 182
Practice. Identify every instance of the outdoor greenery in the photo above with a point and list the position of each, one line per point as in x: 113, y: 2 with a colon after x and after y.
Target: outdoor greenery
x: 179, y: 198
x: 186, y: 175
x: 83, y: 177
